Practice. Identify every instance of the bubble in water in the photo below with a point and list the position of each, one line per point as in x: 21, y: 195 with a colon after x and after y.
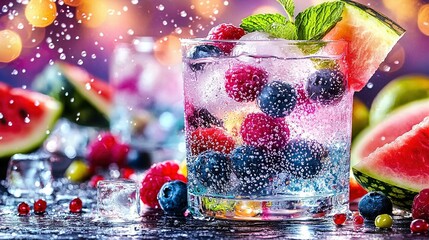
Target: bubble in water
x: 83, y: 53
x: 79, y: 62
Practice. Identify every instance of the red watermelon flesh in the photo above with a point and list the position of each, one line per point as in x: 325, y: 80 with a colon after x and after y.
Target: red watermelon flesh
x: 26, y: 118
x: 394, y: 125
x: 404, y: 162
x: 371, y: 36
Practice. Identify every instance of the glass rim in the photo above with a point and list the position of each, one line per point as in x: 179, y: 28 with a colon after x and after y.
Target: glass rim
x: 259, y: 41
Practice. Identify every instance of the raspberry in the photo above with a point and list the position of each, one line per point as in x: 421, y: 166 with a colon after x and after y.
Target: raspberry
x: 225, y: 31
x: 420, y: 209
x: 215, y: 139
x: 260, y: 130
x: 303, y: 102
x: 155, y: 177
x: 106, y: 150
x: 245, y: 82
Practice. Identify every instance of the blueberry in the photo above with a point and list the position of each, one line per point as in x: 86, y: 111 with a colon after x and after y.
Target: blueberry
x: 373, y: 204
x: 202, y: 51
x: 201, y: 117
x: 213, y: 170
x: 173, y: 197
x: 304, y: 158
x: 277, y: 99
x: 326, y: 86
x: 253, y: 163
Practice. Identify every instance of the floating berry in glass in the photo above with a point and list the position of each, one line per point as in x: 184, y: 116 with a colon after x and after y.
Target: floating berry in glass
x: 340, y: 218
x: 39, y: 206
x: 23, y: 209
x: 75, y: 205
x: 419, y: 226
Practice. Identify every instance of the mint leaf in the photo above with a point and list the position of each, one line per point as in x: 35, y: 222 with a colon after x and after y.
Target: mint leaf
x: 289, y: 7
x: 314, y: 22
x: 274, y: 24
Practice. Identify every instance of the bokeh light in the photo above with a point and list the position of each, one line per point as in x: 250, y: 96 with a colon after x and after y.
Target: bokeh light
x: 11, y: 45
x: 266, y: 9
x: 209, y: 8
x: 402, y: 11
x: 423, y: 19
x: 73, y: 3
x: 167, y: 50
x: 92, y: 13
x: 394, y: 60
x: 41, y: 13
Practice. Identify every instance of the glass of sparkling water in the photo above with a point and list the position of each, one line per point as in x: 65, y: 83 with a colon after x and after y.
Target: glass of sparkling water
x: 268, y: 128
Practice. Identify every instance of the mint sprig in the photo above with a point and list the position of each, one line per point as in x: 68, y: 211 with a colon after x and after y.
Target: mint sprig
x: 314, y: 22
x: 276, y: 25
x: 289, y: 7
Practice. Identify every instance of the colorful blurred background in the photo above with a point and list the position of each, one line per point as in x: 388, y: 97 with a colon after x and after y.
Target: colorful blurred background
x: 84, y: 32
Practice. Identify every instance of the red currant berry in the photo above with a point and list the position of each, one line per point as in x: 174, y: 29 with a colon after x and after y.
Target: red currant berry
x: 340, y: 218
x: 419, y: 226
x: 94, y: 180
x: 358, y: 219
x: 39, y: 206
x: 75, y: 205
x: 23, y: 209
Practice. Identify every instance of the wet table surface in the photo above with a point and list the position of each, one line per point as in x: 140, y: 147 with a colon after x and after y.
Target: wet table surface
x: 58, y: 223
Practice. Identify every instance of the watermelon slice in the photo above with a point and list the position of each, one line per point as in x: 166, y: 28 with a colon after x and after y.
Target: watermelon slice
x: 400, y: 168
x: 398, y: 122
x: 87, y: 100
x: 26, y: 118
x: 371, y: 36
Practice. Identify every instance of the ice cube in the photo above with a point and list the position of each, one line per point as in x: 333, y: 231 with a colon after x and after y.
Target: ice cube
x: 29, y: 175
x: 118, y: 200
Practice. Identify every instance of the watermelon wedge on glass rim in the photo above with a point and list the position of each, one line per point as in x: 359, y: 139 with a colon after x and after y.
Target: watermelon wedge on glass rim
x: 371, y: 36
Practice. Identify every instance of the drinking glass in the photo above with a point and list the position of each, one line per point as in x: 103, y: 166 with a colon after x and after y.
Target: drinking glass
x: 268, y: 128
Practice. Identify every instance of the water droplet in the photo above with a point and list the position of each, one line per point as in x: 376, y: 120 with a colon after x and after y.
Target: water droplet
x: 225, y: 3
x: 4, y: 8
x: 26, y: 119
x: 160, y: 7
x: 178, y: 30
x: 164, y: 23
x: 93, y: 56
x: 83, y: 53
x: 9, y: 124
x: 183, y: 14
x: 14, y: 72
x: 20, y: 26
x: 79, y: 62
x: 37, y: 55
x: 101, y: 34
x: 60, y: 50
x: 134, y: 2
x: 130, y: 32
x: 1, y: 115
x: 68, y: 37
x: 370, y: 85
x: 62, y: 56
x: 125, y: 8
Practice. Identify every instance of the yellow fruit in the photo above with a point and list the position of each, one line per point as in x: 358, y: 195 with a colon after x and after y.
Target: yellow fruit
x: 398, y: 92
x: 232, y: 123
x: 248, y: 208
x: 360, y: 117
x: 183, y: 169
x: 383, y: 221
x: 78, y: 171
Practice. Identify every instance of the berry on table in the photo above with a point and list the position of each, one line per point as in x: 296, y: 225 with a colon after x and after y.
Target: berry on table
x: 358, y: 219
x: 39, y: 206
x: 75, y: 205
x: 419, y: 226
x: 326, y: 86
x: 213, y: 170
x: 277, y: 99
x: 261, y: 130
x: 420, y: 208
x: 94, y: 180
x: 214, y: 138
x: 173, y: 197
x: 202, y: 51
x: 383, y: 221
x: 244, y: 82
x: 155, y: 177
x: 340, y: 218
x: 23, y: 209
x: 373, y: 204
x: 225, y: 31
x: 106, y: 150
x: 304, y: 158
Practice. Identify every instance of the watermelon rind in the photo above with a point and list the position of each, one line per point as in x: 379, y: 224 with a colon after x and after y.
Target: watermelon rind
x: 67, y: 84
x: 400, y: 197
x: 39, y: 132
